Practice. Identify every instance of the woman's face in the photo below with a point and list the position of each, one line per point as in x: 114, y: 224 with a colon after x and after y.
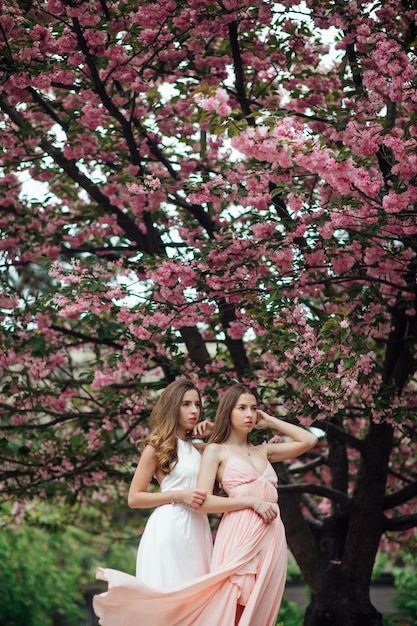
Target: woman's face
x: 190, y: 411
x: 243, y: 415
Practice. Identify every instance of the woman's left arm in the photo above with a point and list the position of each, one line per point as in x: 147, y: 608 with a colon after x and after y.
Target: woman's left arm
x: 302, y: 439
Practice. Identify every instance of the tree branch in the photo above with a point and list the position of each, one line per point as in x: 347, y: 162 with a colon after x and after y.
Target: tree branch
x: 318, y: 490
x: 238, y: 69
x: 404, y: 522
x: 401, y: 496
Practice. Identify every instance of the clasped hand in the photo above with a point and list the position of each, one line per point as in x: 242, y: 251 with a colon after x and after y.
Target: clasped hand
x: 193, y: 498
x: 267, y: 510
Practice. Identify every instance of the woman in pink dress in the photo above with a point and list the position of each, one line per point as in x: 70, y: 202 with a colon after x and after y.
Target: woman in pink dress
x: 248, y: 567
x: 251, y: 596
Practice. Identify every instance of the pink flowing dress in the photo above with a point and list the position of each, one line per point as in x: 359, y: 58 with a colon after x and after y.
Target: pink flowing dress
x: 248, y: 567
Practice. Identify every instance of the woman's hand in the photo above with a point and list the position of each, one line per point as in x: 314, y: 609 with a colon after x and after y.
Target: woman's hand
x: 191, y: 498
x: 302, y: 438
x: 203, y: 429
x: 267, y: 510
x: 262, y: 420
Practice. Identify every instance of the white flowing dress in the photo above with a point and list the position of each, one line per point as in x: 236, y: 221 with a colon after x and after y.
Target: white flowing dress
x: 176, y: 545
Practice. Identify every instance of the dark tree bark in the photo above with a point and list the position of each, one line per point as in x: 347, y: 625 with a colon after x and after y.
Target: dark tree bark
x: 336, y: 554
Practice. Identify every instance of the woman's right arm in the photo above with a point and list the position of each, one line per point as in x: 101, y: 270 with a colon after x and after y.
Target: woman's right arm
x: 210, y: 464
x: 140, y: 498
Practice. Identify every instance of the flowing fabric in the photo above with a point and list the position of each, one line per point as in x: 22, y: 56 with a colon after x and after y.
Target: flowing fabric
x: 248, y: 567
x: 181, y: 537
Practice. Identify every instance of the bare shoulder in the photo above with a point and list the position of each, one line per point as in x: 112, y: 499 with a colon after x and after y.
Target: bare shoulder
x: 214, y: 452
x: 212, y: 462
x: 148, y: 454
x: 149, y: 449
x: 145, y: 468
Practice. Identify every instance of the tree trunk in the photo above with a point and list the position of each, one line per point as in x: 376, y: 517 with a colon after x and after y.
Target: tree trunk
x: 342, y: 602
x: 336, y: 554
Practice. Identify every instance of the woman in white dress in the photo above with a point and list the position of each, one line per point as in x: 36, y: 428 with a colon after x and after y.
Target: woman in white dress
x: 176, y: 545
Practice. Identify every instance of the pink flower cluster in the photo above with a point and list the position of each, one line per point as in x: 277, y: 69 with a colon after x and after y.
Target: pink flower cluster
x: 218, y: 102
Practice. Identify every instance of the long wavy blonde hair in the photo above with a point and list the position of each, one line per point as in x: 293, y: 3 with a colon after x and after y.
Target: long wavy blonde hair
x: 164, y: 419
x: 227, y: 403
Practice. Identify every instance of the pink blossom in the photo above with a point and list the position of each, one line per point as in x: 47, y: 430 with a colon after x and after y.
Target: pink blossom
x: 73, y: 310
x: 343, y: 263
x: 140, y: 332
x: 236, y: 330
x: 101, y: 380
x: 218, y: 102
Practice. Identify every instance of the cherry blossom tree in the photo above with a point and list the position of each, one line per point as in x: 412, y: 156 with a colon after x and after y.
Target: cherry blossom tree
x: 223, y: 190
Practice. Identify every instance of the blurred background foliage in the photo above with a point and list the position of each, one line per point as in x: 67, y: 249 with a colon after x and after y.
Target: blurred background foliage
x: 48, y: 562
x: 48, y: 566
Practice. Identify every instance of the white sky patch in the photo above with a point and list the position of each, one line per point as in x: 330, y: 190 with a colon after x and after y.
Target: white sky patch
x: 33, y: 190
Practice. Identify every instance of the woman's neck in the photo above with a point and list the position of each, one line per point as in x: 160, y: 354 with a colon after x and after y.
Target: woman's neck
x: 237, y: 440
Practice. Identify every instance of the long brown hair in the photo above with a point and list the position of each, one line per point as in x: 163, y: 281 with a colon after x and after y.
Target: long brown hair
x: 227, y: 403
x: 164, y: 419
